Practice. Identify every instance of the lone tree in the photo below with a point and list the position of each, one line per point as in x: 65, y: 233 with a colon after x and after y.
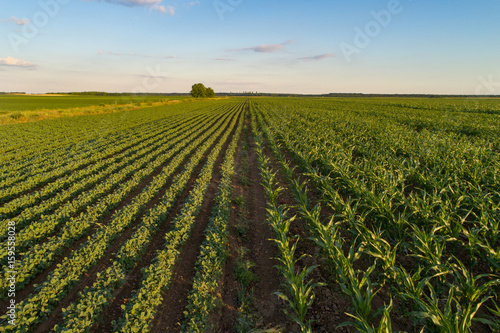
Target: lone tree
x: 198, y: 90
x: 210, y: 92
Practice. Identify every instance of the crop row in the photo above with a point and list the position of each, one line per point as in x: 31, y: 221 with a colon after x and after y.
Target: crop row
x: 47, y: 141
x: 299, y: 294
x: 387, y: 223
x: 75, y: 158
x: 107, y: 200
x: 105, y: 168
x: 202, y: 299
x: 41, y: 255
x: 142, y: 306
x: 38, y: 305
x: 83, y: 313
x: 327, y: 237
x: 66, y: 142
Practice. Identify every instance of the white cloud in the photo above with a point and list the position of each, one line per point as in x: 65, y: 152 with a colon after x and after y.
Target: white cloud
x: 151, y: 4
x: 20, y: 21
x: 162, y: 9
x: 133, y: 54
x: 13, y: 62
x: 236, y: 83
x: 194, y: 3
x: 113, y: 53
x: 136, y: 2
x: 267, y: 48
x: 317, y: 57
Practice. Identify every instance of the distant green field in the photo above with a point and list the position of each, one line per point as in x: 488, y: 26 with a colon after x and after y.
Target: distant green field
x: 9, y: 103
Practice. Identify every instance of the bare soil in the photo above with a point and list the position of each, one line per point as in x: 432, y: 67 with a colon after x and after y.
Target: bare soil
x: 267, y: 307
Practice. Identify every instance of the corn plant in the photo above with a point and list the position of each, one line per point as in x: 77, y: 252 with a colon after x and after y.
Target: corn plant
x: 469, y: 290
x: 300, y: 290
x: 429, y: 246
x: 363, y: 326
x: 460, y: 306
x: 377, y: 247
x: 299, y: 287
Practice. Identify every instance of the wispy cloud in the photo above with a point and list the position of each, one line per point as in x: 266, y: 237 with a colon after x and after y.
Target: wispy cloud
x: 153, y: 76
x: 224, y: 59
x: 151, y: 4
x: 19, y: 21
x: 267, y: 48
x: 114, y: 53
x: 132, y: 54
x: 236, y: 83
x: 317, y: 57
x: 167, y: 10
x: 13, y: 62
x: 132, y: 3
x: 193, y: 3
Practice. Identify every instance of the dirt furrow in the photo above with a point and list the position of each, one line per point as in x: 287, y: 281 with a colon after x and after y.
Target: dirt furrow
x: 248, y: 191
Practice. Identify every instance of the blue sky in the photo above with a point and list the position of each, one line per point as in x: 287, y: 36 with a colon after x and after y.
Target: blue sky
x: 390, y: 46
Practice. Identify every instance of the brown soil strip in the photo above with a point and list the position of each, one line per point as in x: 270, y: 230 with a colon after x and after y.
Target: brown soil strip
x: 267, y: 306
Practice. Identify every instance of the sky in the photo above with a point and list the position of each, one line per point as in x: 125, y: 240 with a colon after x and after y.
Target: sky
x: 275, y: 46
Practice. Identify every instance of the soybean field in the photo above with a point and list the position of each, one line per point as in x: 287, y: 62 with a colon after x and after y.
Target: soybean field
x: 254, y: 215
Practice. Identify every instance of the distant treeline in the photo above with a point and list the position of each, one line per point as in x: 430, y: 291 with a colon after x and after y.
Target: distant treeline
x: 102, y: 93
x: 350, y: 95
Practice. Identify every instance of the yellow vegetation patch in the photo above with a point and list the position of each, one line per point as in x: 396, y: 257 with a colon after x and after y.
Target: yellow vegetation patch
x: 16, y: 117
